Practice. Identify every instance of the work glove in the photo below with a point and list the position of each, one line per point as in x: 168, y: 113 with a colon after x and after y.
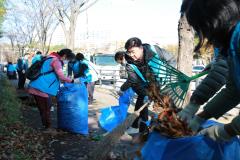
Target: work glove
x: 216, y: 133
x: 196, y: 123
x: 188, y: 112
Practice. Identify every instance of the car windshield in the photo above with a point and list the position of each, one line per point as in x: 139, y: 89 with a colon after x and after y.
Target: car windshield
x: 199, y: 68
x: 105, y: 60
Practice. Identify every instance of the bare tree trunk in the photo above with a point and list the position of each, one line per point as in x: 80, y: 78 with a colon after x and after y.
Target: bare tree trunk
x: 72, y: 28
x: 68, y: 22
x: 50, y: 38
x: 67, y: 34
x: 186, y: 47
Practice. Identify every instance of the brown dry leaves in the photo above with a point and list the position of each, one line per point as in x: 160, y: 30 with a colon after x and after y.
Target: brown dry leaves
x: 20, y: 142
x: 165, y: 121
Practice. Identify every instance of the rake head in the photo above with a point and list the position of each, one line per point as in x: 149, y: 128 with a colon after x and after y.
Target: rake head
x: 171, y: 81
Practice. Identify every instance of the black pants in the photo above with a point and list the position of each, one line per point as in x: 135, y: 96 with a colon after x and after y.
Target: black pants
x: 143, y: 114
x: 11, y: 75
x: 21, y: 79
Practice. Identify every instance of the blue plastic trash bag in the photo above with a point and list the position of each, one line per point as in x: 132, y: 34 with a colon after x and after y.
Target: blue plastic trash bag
x: 112, y: 116
x: 190, y: 148
x: 126, y: 97
x: 73, y: 108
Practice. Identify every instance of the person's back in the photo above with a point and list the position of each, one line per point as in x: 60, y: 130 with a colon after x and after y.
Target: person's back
x: 85, y: 71
x: 11, y: 71
x: 164, y: 55
x: 50, y: 82
x: 10, y: 67
x: 149, y: 52
x: 80, y: 70
x: 92, y: 70
x: 21, y: 67
x: 70, y: 67
x: 37, y: 57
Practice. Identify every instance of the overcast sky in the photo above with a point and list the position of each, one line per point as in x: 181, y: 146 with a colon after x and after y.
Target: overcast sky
x: 151, y: 20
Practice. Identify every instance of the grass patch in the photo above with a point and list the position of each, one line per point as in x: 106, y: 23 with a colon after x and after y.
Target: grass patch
x: 10, y: 111
x: 21, y: 156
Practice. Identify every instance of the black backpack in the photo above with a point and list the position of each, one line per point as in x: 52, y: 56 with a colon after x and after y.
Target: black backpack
x: 34, y: 71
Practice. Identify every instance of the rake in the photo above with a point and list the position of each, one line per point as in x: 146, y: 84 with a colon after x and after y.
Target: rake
x: 172, y: 81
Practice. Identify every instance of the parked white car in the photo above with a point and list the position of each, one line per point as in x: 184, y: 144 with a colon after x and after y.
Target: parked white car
x: 198, y: 68
x: 195, y: 70
x: 108, y: 68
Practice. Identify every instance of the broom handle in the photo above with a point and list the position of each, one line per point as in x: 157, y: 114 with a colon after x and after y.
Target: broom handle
x: 109, y: 140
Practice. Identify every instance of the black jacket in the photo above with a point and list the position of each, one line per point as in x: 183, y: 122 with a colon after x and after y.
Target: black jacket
x: 134, y: 81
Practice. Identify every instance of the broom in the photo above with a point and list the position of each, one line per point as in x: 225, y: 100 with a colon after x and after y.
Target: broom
x: 109, y: 139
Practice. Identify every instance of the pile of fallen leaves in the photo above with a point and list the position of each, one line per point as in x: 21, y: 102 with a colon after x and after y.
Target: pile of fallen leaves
x: 20, y: 142
x: 169, y: 125
x: 165, y: 121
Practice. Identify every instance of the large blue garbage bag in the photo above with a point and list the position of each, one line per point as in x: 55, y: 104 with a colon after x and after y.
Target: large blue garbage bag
x: 126, y: 97
x: 190, y: 148
x: 73, y: 108
x: 112, y: 116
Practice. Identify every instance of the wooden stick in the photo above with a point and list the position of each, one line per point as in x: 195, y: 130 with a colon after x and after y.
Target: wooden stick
x: 107, y: 143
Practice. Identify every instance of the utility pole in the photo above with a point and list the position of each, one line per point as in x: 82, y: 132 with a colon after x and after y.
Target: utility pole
x: 22, y: 51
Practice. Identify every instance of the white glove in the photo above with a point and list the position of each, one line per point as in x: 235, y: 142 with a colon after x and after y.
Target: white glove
x: 188, y: 112
x: 196, y: 123
x: 77, y: 80
x: 216, y: 133
x: 23, y: 71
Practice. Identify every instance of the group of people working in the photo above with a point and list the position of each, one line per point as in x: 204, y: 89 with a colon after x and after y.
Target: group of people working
x: 218, y: 23
x: 19, y: 69
x: 80, y: 71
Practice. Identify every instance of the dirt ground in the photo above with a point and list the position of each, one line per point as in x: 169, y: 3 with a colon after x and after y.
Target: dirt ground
x: 71, y: 146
